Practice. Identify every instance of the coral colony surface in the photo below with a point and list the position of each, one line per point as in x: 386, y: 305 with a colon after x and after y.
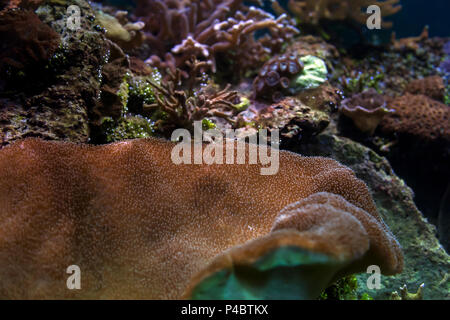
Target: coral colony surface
x: 222, y: 149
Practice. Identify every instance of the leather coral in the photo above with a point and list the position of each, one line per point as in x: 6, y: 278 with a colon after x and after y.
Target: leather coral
x: 139, y: 226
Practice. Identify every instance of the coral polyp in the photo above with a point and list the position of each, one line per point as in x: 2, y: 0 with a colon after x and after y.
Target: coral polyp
x: 274, y: 78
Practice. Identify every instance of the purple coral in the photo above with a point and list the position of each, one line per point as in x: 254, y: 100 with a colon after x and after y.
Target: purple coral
x: 445, y: 66
x: 447, y: 48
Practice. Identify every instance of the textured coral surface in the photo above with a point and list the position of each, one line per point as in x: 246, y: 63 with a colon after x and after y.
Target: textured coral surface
x: 140, y: 226
x: 432, y: 86
x: 25, y: 39
x: 418, y: 116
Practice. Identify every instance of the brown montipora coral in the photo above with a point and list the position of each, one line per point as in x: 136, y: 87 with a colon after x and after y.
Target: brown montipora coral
x: 418, y: 117
x: 432, y: 87
x: 139, y: 226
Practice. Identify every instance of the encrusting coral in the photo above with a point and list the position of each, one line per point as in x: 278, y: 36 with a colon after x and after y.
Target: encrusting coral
x: 25, y: 39
x: 418, y: 117
x: 140, y: 226
x: 432, y: 86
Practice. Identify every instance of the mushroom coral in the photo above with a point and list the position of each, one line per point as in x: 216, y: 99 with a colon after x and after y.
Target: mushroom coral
x: 139, y: 226
x: 366, y: 109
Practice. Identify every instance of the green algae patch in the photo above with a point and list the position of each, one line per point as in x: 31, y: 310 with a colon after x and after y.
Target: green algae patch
x: 313, y: 75
x: 243, y: 105
x: 285, y: 273
x: 129, y: 127
x: 344, y: 289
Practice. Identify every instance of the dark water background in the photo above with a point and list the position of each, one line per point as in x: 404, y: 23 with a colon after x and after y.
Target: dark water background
x: 418, y: 13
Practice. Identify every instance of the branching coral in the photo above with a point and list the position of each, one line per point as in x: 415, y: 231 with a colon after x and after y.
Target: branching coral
x: 405, y: 295
x: 312, y: 11
x: 177, y: 29
x: 140, y: 226
x: 183, y: 104
x: 411, y: 43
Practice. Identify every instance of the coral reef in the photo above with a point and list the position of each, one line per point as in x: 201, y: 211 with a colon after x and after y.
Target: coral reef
x: 388, y: 71
x: 296, y: 121
x: 176, y: 30
x: 54, y: 99
x: 313, y: 11
x: 141, y: 226
x: 366, y: 110
x: 71, y: 88
x: 228, y: 64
